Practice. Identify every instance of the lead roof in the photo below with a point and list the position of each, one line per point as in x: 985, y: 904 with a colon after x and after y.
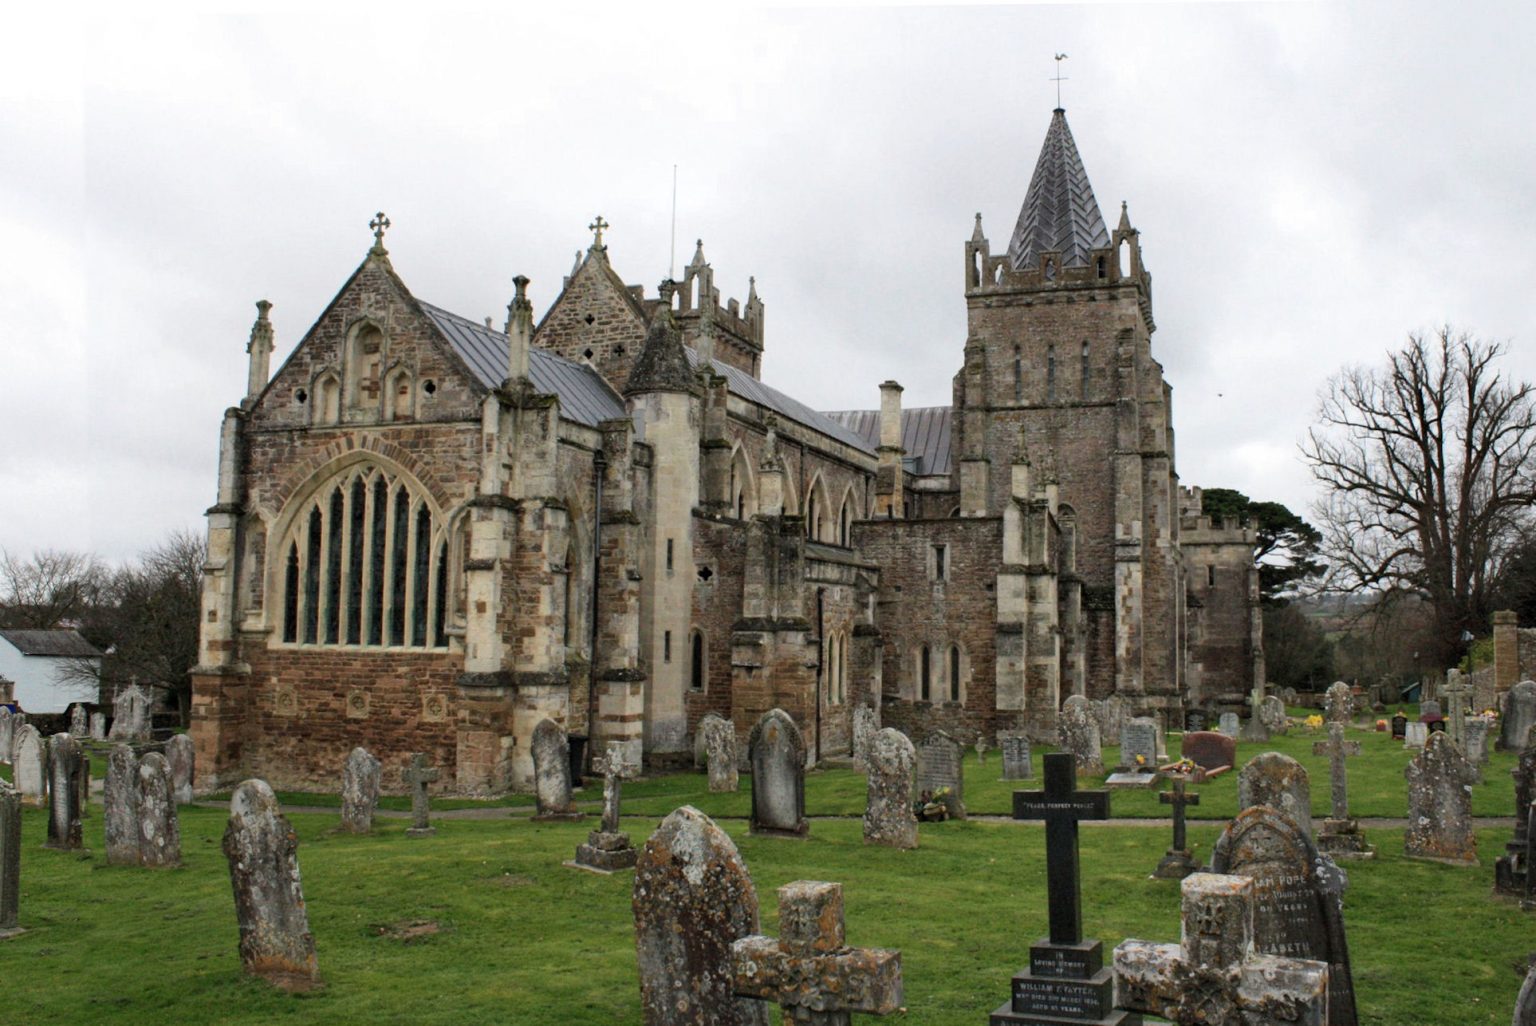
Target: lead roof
x: 924, y: 434
x: 1059, y: 212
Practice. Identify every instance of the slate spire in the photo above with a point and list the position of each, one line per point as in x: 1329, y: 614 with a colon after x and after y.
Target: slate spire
x: 1059, y: 212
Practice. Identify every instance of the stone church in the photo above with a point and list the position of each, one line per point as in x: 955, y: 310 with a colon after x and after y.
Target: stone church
x: 431, y: 532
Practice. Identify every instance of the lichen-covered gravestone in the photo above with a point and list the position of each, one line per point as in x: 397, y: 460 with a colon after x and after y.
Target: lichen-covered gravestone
x: 29, y: 766
x: 866, y: 723
x: 776, y: 751
x: 888, y: 817
x: 359, y: 791
x: 7, y: 734
x: 63, y: 793
x: 1279, y: 781
x: 608, y: 849
x: 720, y: 753
x: 181, y: 757
x: 10, y: 860
x: 1519, y: 716
x: 693, y: 898
x: 262, y: 849
x: 130, y: 715
x: 1272, y: 713
x: 1080, y: 736
x: 941, y: 772
x: 159, y: 829
x: 79, y: 724
x: 1440, y: 804
x: 120, y: 807
x: 701, y: 738
x: 552, y: 773
x: 1015, y: 748
x: 98, y: 726
x: 1339, y: 702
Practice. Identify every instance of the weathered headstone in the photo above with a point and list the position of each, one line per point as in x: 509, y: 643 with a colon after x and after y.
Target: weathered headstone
x: 159, y: 828
x: 941, y: 772
x: 981, y: 750
x: 1510, y: 871
x: 98, y: 725
x: 1228, y: 724
x: 1209, y: 750
x: 7, y: 734
x: 1519, y: 716
x: 418, y: 775
x: 1525, y: 1001
x: 120, y: 806
x: 63, y: 793
x: 720, y: 751
x: 1279, y: 781
x: 29, y: 765
x: 10, y: 860
x: 1415, y: 734
x: 1067, y: 981
x: 608, y: 849
x: 1288, y: 695
x: 707, y: 723
x: 1272, y: 712
x: 1456, y: 696
x: 776, y: 751
x: 1179, y: 861
x: 1399, y: 727
x: 1015, y: 746
x: 1440, y: 805
x: 1214, y: 976
x: 130, y: 715
x: 1138, y: 745
x: 809, y: 970
x: 1429, y: 709
x: 1339, y: 702
x: 79, y: 724
x: 693, y: 898
x: 1298, y: 895
x: 866, y: 724
x: 84, y: 783
x: 888, y: 817
x: 1111, y: 714
x: 552, y: 773
x: 1080, y: 736
x: 181, y: 757
x: 1340, y: 837
x: 1476, y: 730
x: 360, y: 777
x: 262, y: 849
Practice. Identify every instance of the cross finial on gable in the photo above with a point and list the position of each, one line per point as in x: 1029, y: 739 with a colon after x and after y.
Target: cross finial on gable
x: 379, y: 224
x: 596, y: 228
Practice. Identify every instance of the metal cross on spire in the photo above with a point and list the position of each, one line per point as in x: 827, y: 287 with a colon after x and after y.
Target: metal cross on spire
x: 1059, y: 79
x: 379, y: 224
x: 596, y: 228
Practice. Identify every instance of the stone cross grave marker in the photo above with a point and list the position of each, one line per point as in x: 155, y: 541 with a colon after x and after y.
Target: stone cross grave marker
x: 1067, y: 981
x: 1015, y: 747
x: 1340, y: 836
x: 1179, y: 861
x: 1509, y: 872
x: 809, y: 970
x: 888, y: 816
x: 940, y: 766
x: 181, y: 756
x: 1214, y: 977
x: 1279, y: 781
x: 1298, y: 897
x: 159, y: 828
x: 262, y: 849
x: 360, y: 777
x: 552, y: 773
x: 419, y: 775
x: 776, y: 751
x: 720, y: 756
x: 1440, y: 805
x: 1519, y: 716
x: 1080, y: 736
x: 693, y: 898
x: 1256, y: 729
x: 120, y: 807
x: 10, y: 860
x: 29, y: 766
x: 608, y: 849
x: 63, y: 793
x: 1339, y: 702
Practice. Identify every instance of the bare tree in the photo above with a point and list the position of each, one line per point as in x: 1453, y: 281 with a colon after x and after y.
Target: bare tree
x: 49, y: 589
x: 1430, y: 469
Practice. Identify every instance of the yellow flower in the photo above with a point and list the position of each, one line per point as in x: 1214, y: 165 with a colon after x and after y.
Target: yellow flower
x: 1314, y: 721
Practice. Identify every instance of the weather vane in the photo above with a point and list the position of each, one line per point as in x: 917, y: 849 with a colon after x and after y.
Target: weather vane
x: 1059, y: 79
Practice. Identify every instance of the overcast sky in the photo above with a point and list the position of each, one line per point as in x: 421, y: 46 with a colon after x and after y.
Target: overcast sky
x: 1311, y: 182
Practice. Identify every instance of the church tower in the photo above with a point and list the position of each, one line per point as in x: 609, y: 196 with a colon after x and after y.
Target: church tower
x: 1059, y: 374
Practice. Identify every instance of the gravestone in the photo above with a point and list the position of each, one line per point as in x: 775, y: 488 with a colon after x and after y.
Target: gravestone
x: 7, y: 734
x: 130, y: 715
x: 84, y: 780
x: 1510, y: 870
x: 1476, y: 731
x: 360, y: 777
x: 608, y: 849
x: 1339, y: 703
x: 1429, y: 709
x: 866, y: 724
x: 1340, y: 837
x: 692, y: 899
x: 1209, y: 750
x: 1162, y: 741
x: 1080, y: 736
x: 10, y: 860
x: 1214, y: 976
x: 1279, y: 781
x: 418, y: 775
x: 1440, y: 805
x: 1288, y: 695
x: 1015, y: 747
x: 941, y: 772
x: 262, y: 849
x: 776, y: 751
x: 1298, y: 897
x: 98, y: 726
x: 1272, y: 712
x: 707, y: 723
x: 1228, y: 724
x: 29, y: 765
x: 1067, y: 981
x: 1195, y: 719
x: 552, y: 773
x: 1399, y: 727
x: 1179, y: 861
x: 1254, y: 728
x: 1456, y: 695
x: 1415, y: 734
x: 1138, y: 745
x: 1519, y: 716
x: 720, y: 745
x: 79, y: 724
x: 159, y: 829
x: 120, y: 806
x: 63, y: 793
x: 888, y: 817
x: 1111, y: 716
x: 181, y: 756
x: 981, y: 750
x: 809, y: 970
x: 1525, y: 1001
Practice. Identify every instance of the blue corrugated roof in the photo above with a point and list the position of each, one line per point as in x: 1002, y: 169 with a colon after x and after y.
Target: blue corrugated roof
x: 748, y: 387
x: 924, y: 434
x: 584, y: 396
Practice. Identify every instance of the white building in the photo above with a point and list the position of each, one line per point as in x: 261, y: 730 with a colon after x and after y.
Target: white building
x: 41, y: 665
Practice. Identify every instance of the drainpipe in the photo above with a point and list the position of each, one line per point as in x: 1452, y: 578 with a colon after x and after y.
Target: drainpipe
x: 599, y: 467
x: 821, y: 649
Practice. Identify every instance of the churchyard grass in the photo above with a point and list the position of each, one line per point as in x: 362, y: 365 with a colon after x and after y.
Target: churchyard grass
x: 524, y: 939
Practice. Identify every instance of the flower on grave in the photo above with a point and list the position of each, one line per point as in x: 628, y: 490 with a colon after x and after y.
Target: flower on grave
x: 1381, y: 724
x: 1314, y: 721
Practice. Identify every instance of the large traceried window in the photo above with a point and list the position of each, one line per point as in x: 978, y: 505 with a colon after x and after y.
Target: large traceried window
x: 365, y: 563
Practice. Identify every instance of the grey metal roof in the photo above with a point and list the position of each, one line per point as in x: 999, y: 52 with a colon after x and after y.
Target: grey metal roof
x: 924, y: 434
x: 1059, y: 211
x: 748, y: 387
x: 584, y: 396
x: 51, y: 643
